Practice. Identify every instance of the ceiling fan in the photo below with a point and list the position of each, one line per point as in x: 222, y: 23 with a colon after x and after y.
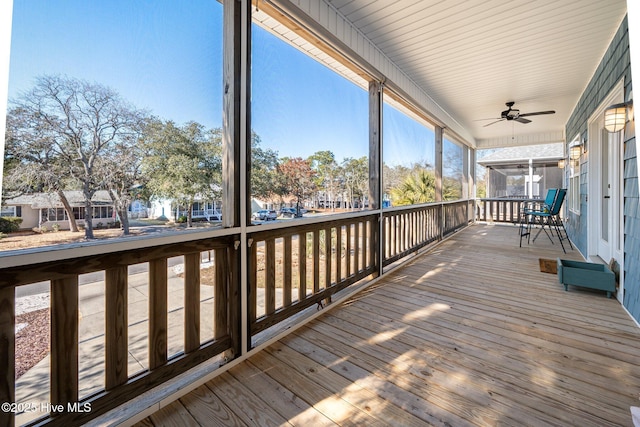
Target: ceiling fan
x: 514, y: 114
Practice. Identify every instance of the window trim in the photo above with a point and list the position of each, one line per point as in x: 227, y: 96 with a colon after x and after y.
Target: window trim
x: 574, y: 179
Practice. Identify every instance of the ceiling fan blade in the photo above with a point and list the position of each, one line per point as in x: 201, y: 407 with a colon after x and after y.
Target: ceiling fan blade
x: 538, y: 113
x: 490, y: 118
x: 492, y: 123
x: 521, y: 120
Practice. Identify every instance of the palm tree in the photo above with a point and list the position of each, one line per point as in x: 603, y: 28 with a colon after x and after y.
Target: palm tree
x: 418, y: 187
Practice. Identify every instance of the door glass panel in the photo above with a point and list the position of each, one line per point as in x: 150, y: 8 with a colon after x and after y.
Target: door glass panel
x: 604, y: 185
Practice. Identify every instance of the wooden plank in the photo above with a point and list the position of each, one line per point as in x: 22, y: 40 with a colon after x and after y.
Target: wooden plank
x: 299, y: 356
x: 7, y: 353
x: 208, y: 409
x: 244, y: 403
x: 64, y: 340
x: 221, y: 297
x: 535, y: 391
x: 173, y: 415
x: 158, y: 313
x: 349, y: 249
x: 339, y: 253
x: 327, y: 257
x: 281, y: 399
x: 316, y: 261
x: 253, y: 281
x: 315, y: 394
x: 302, y: 266
x: 356, y: 248
x: 191, y: 301
x: 116, y: 326
x: 270, y: 276
x: 287, y: 271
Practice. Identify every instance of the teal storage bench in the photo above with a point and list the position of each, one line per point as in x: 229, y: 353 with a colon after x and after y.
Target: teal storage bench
x: 586, y: 275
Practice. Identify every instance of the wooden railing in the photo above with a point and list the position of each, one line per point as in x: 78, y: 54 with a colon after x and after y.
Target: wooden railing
x: 296, y: 267
x: 119, y: 386
x: 408, y: 229
x: 503, y: 210
x: 291, y: 266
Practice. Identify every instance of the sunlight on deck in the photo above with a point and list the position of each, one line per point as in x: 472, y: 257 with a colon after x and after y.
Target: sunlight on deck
x: 385, y: 336
x: 425, y: 312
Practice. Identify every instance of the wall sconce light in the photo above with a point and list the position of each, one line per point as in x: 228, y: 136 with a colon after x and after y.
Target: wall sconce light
x: 575, y: 151
x: 561, y: 164
x: 615, y: 117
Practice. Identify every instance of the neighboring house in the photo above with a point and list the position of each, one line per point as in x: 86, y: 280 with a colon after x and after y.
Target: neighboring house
x: 603, y: 210
x: 525, y: 171
x: 45, y: 209
x: 201, y: 209
x: 139, y: 209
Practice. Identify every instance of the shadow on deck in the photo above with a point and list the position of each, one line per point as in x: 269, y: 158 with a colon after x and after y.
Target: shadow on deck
x: 471, y: 333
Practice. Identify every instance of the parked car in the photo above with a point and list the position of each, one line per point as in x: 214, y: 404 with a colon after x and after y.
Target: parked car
x: 264, y: 215
x: 290, y: 213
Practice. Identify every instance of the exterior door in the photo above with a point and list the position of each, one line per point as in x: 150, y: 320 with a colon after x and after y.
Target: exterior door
x: 605, y: 188
x: 608, y: 198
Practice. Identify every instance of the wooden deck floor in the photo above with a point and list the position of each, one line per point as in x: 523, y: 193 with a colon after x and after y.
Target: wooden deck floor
x: 470, y: 334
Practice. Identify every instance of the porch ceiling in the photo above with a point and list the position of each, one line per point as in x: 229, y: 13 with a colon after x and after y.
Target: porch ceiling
x: 473, y: 56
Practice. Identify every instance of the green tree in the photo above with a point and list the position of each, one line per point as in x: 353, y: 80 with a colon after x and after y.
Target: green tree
x: 182, y: 163
x: 266, y: 182
x: 418, y: 187
x: 356, y: 178
x: 327, y: 172
x: 299, y: 178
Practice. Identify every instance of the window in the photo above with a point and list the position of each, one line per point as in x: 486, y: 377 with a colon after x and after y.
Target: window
x: 153, y: 71
x: 103, y: 212
x: 409, y: 157
x: 574, y: 177
x: 11, y: 211
x: 452, y: 161
x: 310, y: 142
x: 54, y: 214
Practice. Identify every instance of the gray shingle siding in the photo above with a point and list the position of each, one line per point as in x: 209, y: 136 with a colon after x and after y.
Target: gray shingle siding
x: 614, y: 66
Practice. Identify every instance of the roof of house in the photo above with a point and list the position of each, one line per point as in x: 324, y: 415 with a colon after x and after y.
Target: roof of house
x: 546, y: 152
x: 51, y: 200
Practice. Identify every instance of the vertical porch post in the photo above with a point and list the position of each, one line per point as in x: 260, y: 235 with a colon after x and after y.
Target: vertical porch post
x: 438, y: 143
x: 375, y: 164
x: 438, y: 146
x: 236, y: 158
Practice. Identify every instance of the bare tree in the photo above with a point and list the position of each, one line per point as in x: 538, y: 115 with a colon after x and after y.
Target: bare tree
x: 83, y: 122
x: 32, y: 162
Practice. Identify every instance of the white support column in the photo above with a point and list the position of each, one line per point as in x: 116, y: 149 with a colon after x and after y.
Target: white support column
x: 530, y: 186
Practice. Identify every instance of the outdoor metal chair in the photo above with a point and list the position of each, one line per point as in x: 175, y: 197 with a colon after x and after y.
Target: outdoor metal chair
x: 528, y: 210
x: 550, y: 219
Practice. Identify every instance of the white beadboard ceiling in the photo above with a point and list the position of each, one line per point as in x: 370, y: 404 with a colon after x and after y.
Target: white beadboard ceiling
x: 472, y: 56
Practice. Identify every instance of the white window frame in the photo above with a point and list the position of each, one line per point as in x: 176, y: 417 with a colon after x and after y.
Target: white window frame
x: 5, y: 210
x: 573, y: 190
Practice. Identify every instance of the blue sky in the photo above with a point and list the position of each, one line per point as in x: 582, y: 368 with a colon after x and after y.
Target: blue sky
x: 165, y: 57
